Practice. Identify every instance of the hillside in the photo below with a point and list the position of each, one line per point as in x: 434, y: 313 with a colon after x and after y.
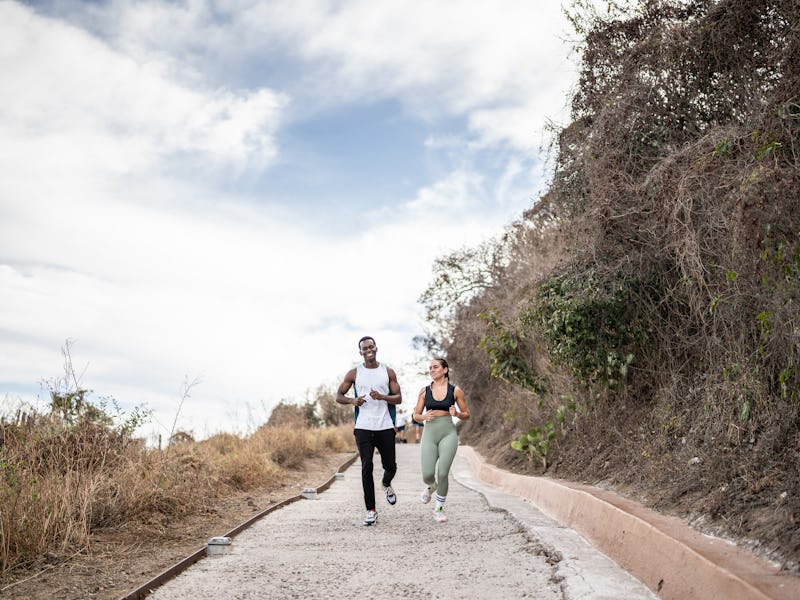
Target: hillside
x: 639, y: 328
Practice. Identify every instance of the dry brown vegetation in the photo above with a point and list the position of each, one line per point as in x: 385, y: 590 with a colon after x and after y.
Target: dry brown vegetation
x: 75, y: 470
x: 639, y: 327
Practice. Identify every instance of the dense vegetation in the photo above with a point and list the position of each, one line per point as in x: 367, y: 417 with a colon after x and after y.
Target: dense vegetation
x: 639, y: 326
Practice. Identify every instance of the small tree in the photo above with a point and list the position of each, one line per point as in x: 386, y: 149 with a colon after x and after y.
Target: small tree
x: 331, y: 412
x: 299, y: 415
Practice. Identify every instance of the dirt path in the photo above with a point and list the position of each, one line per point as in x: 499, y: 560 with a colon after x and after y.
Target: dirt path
x: 320, y: 548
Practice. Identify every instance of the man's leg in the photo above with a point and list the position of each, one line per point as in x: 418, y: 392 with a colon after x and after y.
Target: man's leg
x: 384, y: 440
x: 365, y: 442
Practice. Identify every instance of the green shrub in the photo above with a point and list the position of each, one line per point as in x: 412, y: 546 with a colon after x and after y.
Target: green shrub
x: 589, y: 324
x: 505, y: 349
x: 536, y: 443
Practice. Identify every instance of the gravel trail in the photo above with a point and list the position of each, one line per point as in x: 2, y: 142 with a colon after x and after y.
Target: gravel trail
x: 493, y: 546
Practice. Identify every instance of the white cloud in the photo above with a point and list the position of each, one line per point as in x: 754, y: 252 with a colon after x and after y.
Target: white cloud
x: 503, y: 65
x: 70, y: 95
x: 460, y: 191
x: 115, y: 229
x: 260, y: 308
x: 234, y: 301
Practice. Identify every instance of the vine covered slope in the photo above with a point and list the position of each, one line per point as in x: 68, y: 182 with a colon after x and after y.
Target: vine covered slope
x: 639, y: 326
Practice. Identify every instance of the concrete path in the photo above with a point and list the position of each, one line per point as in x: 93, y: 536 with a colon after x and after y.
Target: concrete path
x: 493, y: 546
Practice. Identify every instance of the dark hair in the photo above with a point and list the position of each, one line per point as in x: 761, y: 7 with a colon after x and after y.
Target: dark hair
x: 366, y: 337
x: 444, y: 364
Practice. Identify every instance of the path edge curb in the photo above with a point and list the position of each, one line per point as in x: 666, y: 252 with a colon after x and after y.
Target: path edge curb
x: 667, y: 555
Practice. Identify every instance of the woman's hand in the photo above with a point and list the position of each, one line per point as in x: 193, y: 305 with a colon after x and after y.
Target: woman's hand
x: 432, y: 414
x: 461, y: 414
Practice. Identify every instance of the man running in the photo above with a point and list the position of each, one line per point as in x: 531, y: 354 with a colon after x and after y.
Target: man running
x: 377, y: 393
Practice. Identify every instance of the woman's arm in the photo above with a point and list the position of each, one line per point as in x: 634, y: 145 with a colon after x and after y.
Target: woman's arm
x: 461, y: 401
x: 417, y: 416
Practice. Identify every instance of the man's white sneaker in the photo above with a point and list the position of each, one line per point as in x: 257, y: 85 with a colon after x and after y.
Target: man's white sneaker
x: 438, y: 514
x: 391, y: 497
x: 371, y: 518
x: 425, y: 496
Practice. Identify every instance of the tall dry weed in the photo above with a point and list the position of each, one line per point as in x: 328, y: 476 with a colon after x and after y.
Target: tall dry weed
x: 337, y: 438
x: 287, y: 445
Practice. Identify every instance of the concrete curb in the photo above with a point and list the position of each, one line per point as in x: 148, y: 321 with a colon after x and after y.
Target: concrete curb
x: 668, y: 556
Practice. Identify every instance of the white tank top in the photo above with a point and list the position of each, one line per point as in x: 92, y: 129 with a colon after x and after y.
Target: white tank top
x: 373, y: 415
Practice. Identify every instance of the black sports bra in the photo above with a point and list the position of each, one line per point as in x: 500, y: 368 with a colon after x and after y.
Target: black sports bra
x: 449, y: 400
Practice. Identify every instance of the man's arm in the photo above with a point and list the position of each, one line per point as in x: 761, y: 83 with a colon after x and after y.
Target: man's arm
x: 344, y: 387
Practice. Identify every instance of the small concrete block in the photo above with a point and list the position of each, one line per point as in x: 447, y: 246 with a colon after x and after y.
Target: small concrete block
x: 218, y: 545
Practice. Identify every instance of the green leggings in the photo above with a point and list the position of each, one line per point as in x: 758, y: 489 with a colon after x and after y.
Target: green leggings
x: 439, y: 442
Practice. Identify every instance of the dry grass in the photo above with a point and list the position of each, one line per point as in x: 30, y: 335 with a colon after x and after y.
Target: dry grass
x: 61, y: 481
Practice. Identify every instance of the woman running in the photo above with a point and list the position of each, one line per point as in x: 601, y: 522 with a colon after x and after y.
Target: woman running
x: 440, y: 401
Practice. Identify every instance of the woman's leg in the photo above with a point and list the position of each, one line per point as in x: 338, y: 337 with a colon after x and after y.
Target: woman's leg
x: 448, y: 445
x: 429, y: 454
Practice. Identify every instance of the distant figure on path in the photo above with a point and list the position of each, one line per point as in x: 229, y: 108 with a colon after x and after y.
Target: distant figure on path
x: 377, y: 393
x: 417, y: 427
x: 440, y: 401
x: 400, y: 427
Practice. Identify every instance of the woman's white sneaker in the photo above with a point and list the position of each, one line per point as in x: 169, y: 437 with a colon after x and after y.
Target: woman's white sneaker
x: 438, y: 514
x: 425, y: 496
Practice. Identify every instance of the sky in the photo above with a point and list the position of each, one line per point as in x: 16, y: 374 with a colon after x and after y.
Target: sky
x: 209, y: 203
